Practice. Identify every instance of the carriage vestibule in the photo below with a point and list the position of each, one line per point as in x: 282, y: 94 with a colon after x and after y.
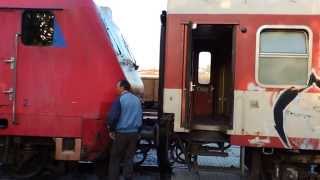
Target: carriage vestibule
x: 212, y: 75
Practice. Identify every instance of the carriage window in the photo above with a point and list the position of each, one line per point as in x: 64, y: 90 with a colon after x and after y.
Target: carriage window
x: 204, y: 68
x: 283, y: 57
x: 37, y: 28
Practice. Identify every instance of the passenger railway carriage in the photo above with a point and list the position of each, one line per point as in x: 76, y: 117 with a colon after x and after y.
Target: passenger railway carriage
x: 245, y: 72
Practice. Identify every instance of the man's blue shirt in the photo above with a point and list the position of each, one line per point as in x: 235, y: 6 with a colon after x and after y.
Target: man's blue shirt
x: 125, y: 115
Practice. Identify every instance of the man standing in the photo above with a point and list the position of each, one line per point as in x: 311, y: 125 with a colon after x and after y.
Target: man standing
x: 124, y: 122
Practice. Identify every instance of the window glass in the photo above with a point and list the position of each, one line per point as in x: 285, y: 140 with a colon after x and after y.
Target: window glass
x: 204, y: 68
x: 283, y: 57
x: 283, y: 71
x: 283, y: 42
x: 37, y: 28
x: 118, y: 42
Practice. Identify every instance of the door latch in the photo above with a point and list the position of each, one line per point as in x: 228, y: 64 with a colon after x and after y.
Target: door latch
x: 192, y: 86
x: 11, y: 61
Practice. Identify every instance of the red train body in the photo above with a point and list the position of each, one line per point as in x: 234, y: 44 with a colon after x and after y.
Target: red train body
x: 238, y: 83
x: 60, y: 63
x: 249, y: 70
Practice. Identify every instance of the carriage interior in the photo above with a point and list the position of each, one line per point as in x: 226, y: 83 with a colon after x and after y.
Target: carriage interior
x: 212, y: 77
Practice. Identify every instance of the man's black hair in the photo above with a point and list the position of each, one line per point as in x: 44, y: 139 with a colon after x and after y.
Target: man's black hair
x: 125, y: 84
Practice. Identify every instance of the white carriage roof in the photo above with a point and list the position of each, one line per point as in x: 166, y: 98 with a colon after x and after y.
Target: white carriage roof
x: 308, y: 7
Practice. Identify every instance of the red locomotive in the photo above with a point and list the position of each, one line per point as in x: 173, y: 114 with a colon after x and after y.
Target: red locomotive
x: 60, y: 63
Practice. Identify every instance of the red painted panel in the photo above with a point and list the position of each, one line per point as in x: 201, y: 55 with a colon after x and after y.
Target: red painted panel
x: 245, y: 43
x: 78, y: 80
x: 245, y: 57
x: 61, y: 91
x: 95, y: 137
x: 7, y: 51
x: 274, y: 142
x: 175, y: 64
x: 203, y: 103
x: 44, y: 126
x: 48, y: 4
x: 244, y: 140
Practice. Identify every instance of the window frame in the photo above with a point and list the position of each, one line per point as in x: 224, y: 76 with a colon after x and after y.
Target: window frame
x: 283, y: 27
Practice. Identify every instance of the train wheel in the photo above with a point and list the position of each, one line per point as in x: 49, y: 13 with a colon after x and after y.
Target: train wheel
x: 26, y: 165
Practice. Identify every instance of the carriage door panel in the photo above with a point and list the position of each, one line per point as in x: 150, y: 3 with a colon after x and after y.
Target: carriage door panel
x: 187, y: 76
x: 10, y: 26
x: 203, y: 89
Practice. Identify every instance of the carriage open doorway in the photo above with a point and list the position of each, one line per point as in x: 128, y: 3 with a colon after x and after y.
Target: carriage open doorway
x: 209, y: 76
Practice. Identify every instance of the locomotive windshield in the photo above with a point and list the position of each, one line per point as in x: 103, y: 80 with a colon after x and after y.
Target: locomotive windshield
x: 118, y: 41
x: 125, y: 57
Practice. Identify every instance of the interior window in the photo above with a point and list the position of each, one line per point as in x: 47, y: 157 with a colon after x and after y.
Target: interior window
x: 204, y: 68
x: 37, y: 28
x: 283, y: 57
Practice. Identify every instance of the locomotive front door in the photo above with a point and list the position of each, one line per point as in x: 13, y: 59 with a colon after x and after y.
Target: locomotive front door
x: 10, y: 26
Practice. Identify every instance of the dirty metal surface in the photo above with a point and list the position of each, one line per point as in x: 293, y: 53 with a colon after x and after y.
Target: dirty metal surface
x: 217, y: 168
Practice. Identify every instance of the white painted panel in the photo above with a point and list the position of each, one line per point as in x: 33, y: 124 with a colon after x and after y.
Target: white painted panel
x: 302, y: 116
x: 238, y: 113
x: 244, y: 6
x: 253, y: 114
x: 172, y: 104
x: 258, y: 113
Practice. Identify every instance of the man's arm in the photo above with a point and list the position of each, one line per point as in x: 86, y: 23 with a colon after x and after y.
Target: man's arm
x: 114, y: 115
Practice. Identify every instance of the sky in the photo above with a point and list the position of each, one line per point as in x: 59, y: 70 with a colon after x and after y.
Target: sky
x: 139, y: 22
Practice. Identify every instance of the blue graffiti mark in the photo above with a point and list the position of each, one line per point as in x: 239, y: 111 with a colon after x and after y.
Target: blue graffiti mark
x: 58, y: 38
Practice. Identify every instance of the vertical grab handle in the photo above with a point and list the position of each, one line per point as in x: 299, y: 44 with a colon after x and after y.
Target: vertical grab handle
x: 14, y: 99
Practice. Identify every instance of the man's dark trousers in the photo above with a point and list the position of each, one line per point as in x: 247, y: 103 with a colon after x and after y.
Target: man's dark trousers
x: 122, y: 152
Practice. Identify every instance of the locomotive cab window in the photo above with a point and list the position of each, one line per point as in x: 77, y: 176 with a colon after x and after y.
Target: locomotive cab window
x: 204, y: 68
x: 37, y: 28
x: 283, y: 57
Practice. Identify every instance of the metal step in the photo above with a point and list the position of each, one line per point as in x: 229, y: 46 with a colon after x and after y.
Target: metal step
x: 213, y: 153
x: 203, y: 137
